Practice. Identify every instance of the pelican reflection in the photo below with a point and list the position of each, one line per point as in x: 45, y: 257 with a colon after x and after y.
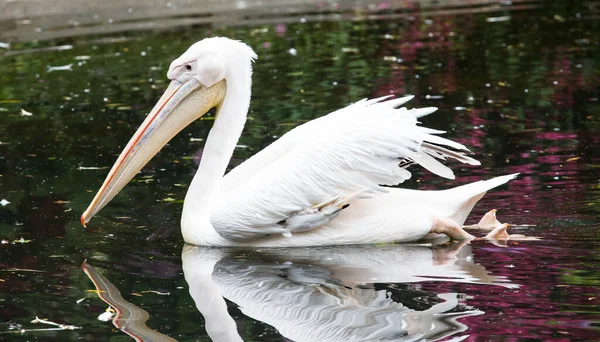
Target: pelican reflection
x: 361, y: 293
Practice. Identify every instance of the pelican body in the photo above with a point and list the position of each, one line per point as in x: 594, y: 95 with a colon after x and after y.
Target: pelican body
x: 323, y: 183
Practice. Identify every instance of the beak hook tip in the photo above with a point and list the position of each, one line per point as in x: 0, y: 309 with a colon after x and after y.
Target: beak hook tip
x: 82, y: 220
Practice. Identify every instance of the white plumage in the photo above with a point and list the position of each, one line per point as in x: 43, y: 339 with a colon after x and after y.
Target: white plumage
x: 347, y: 154
x: 322, y: 183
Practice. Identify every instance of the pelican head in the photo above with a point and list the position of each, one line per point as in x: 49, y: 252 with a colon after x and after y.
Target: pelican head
x: 198, y: 83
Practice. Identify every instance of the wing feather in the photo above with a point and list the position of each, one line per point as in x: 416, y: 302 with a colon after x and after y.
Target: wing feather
x: 356, y: 149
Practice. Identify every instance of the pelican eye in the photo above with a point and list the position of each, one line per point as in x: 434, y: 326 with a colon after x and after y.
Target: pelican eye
x: 188, y: 67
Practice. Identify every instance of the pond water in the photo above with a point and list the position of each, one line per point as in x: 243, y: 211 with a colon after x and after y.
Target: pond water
x: 519, y: 84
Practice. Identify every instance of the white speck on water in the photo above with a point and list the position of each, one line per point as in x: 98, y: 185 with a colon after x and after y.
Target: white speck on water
x: 498, y: 19
x: 434, y: 97
x: 526, y: 90
x: 143, y: 53
x: 488, y: 85
x: 130, y: 10
x: 4, y: 202
x: 86, y: 90
x: 293, y: 52
x: 4, y: 45
x: 302, y: 20
x: 459, y: 108
x: 25, y: 113
x: 334, y: 83
x: 428, y: 21
x: 470, y: 98
x: 38, y: 29
x: 555, y: 82
x: 510, y: 266
x: 110, y: 21
x: 105, y: 99
x: 106, y: 316
x: 68, y: 67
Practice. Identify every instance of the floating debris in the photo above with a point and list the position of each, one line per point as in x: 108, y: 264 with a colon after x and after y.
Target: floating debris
x: 68, y: 67
x: 4, y: 202
x: 82, y: 58
x: 16, y: 328
x: 498, y: 19
x: 80, y: 300
x: 157, y: 292
x: 21, y: 240
x: 38, y: 320
x: 92, y: 168
x: 350, y: 49
x: 573, y: 159
x: 4, y: 45
x: 23, y: 270
x: 25, y: 113
x: 107, y: 315
x: 293, y: 52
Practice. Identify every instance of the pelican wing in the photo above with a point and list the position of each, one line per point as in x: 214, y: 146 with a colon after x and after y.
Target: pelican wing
x: 303, y: 180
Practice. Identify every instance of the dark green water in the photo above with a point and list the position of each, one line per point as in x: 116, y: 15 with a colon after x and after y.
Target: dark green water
x: 520, y: 89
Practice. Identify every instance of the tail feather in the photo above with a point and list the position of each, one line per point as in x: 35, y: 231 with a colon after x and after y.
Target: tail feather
x: 466, y: 196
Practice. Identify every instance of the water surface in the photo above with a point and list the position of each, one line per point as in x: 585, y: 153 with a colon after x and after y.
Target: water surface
x: 518, y: 84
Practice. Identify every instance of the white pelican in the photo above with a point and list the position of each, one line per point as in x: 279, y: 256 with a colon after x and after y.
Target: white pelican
x: 322, y: 183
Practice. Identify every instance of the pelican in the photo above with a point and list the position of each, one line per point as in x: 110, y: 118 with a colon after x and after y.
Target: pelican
x: 323, y: 183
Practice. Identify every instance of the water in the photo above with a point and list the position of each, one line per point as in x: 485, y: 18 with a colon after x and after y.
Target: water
x: 518, y: 84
